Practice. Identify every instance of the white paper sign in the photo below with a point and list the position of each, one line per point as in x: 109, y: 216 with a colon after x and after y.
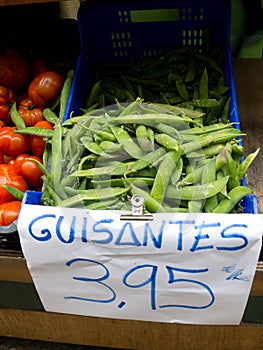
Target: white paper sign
x: 186, y: 268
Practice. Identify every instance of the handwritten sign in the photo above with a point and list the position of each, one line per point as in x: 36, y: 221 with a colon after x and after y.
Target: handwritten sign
x: 186, y: 268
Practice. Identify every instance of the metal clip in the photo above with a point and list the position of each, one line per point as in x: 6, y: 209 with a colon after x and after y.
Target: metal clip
x: 137, y: 202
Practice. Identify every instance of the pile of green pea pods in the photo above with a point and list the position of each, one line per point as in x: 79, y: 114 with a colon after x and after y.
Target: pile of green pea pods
x: 160, y: 128
x: 162, y: 152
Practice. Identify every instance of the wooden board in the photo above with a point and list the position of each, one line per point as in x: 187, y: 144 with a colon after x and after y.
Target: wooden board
x: 23, y: 2
x: 249, y: 90
x: 127, y: 334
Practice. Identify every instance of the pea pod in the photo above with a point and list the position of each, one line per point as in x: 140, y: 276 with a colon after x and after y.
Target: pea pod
x: 142, y: 137
x: 203, y: 86
x: 208, y: 176
x: 50, y: 115
x: 163, y: 175
x: 15, y: 192
x: 32, y: 130
x: 151, y: 119
x: 168, y: 142
x: 127, y: 142
x: 232, y: 199
x: 110, y: 147
x: 16, y: 117
x: 196, y: 192
x: 152, y: 205
x: 94, y: 195
x: 243, y: 167
x: 232, y: 171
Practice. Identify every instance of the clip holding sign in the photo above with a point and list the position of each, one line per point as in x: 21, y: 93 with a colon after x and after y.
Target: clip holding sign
x: 137, y: 202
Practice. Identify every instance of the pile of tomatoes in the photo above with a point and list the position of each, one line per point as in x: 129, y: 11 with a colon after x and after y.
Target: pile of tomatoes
x: 32, y: 86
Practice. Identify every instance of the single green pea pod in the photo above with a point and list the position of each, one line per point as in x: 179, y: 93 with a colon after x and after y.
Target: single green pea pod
x: 102, y: 205
x: 232, y: 171
x: 192, y: 177
x: 212, y: 138
x: 94, y: 195
x: 243, y: 167
x: 176, y: 110
x: 225, y: 112
x: 203, y: 86
x: 56, y: 159
x: 129, y: 96
x: 49, y: 197
x: 32, y: 130
x: 110, y: 147
x: 92, y: 146
x: 151, y: 138
x: 233, y: 198
x: 147, y: 160
x: 163, y: 175
x: 206, y: 129
x: 143, y: 82
x: 206, y: 103
x: 146, y: 172
x: 152, y: 119
x: 196, y: 192
x: 52, y: 183
x: 169, y: 130
x: 177, y: 172
x: 209, y: 175
x: 140, y: 91
x: 182, y: 89
x: 50, y: 115
x: 16, y: 193
x: 105, y: 135
x: 65, y: 94
x: 152, y: 205
x: 221, y: 159
x: 16, y: 117
x: 220, y: 175
x: 237, y: 151
x: 131, y: 108
x: 142, y: 137
x: 94, y: 92
x: 168, y: 142
x: 213, y: 150
x: 127, y: 142
x: 120, y: 182
x: 115, y: 170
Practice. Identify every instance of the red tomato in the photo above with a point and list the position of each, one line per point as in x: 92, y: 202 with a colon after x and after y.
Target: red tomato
x: 15, y: 71
x: 9, y: 176
x: 7, y: 98
x: 29, y: 170
x: 9, y: 212
x: 44, y: 88
x: 30, y: 113
x: 12, y: 144
x: 37, y: 144
x: 17, y: 161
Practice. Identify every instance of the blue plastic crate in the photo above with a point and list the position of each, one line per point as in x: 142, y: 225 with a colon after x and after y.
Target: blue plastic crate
x: 119, y: 32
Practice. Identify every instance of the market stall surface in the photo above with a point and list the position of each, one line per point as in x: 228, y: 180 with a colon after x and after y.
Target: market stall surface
x: 25, y: 344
